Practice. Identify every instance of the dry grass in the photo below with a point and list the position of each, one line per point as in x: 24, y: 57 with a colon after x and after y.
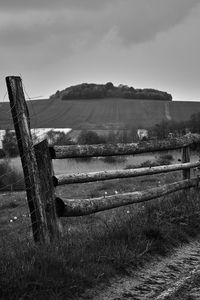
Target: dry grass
x: 94, y: 248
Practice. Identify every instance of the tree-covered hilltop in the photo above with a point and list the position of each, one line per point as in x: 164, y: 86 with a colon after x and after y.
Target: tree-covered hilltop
x: 108, y: 90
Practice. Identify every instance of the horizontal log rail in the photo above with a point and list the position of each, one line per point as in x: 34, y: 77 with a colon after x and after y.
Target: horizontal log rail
x: 73, y: 151
x: 108, y: 175
x: 81, y: 207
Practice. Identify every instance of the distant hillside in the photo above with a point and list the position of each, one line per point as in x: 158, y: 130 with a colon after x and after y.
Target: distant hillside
x: 108, y: 90
x: 104, y: 114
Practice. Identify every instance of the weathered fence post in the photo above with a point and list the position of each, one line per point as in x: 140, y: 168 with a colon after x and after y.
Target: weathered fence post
x: 185, y: 159
x: 21, y: 121
x: 46, y: 173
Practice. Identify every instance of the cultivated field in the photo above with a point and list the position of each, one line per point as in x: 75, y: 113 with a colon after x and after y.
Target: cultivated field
x: 101, y: 114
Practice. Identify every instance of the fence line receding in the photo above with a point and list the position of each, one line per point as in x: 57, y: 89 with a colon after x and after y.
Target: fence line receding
x: 45, y: 207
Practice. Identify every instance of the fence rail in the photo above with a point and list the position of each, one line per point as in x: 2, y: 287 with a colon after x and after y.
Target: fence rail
x: 82, y: 207
x: 108, y: 175
x: 74, y: 151
x: 45, y: 207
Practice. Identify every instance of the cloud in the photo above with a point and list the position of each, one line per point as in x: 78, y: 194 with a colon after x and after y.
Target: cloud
x: 87, y: 22
x: 27, y: 5
x: 45, y: 32
x: 140, y: 21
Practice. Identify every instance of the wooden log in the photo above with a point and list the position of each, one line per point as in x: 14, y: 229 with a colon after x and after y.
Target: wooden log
x: 21, y: 121
x: 73, y: 151
x: 108, y: 175
x: 46, y: 173
x: 186, y: 159
x: 81, y: 207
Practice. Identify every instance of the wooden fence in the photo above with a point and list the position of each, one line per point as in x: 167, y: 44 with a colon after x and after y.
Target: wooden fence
x: 45, y: 208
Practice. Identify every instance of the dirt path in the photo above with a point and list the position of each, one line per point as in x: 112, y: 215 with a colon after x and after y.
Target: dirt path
x: 172, y: 277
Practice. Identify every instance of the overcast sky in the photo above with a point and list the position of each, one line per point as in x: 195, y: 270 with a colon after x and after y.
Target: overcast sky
x: 142, y: 43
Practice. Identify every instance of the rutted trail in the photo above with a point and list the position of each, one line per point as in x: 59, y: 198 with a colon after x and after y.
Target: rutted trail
x: 159, y: 280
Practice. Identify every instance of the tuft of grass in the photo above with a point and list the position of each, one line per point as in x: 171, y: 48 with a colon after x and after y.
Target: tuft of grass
x: 11, y: 204
x: 146, y: 163
x: 165, y: 159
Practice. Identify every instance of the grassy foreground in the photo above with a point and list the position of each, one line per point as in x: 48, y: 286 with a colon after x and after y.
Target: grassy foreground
x: 94, y: 248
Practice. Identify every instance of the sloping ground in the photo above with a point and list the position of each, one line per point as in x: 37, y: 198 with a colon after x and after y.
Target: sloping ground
x: 101, y: 114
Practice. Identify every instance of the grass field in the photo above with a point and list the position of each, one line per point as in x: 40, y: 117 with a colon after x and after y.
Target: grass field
x: 94, y: 248
x: 101, y: 114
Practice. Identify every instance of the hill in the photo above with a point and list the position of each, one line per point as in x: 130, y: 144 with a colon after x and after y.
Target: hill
x: 104, y: 114
x: 108, y: 90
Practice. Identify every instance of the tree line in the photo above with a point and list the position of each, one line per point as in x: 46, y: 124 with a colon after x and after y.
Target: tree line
x: 158, y: 131
x: 164, y: 128
x: 108, y: 90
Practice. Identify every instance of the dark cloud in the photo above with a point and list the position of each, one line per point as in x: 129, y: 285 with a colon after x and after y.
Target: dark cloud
x: 32, y: 22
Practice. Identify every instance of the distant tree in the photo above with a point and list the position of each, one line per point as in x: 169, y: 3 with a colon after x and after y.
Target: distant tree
x: 57, y: 94
x: 194, y: 123
x: 165, y: 127
x: 109, y: 85
x: 59, y: 138
x: 9, y: 142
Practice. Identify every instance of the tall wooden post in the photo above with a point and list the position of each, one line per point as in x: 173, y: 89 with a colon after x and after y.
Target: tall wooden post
x: 46, y: 173
x: 21, y: 121
x: 185, y: 159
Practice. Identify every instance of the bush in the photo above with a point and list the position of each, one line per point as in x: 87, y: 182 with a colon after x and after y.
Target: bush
x: 164, y: 159
x: 2, y: 153
x: 10, y: 178
x: 10, y: 146
x: 59, y: 138
x: 90, y: 137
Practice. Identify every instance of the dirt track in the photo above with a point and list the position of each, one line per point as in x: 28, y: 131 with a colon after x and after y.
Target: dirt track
x: 173, y: 277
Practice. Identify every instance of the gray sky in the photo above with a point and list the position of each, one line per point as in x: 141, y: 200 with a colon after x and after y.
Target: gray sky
x: 143, y: 43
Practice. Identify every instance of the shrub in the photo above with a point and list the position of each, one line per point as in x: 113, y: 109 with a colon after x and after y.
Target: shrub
x: 59, y: 138
x: 10, y: 178
x: 90, y: 137
x: 145, y: 164
x: 10, y: 146
x: 164, y: 159
x: 2, y: 153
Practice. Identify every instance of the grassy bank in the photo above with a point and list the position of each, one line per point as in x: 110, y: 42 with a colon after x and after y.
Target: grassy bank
x: 94, y: 248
